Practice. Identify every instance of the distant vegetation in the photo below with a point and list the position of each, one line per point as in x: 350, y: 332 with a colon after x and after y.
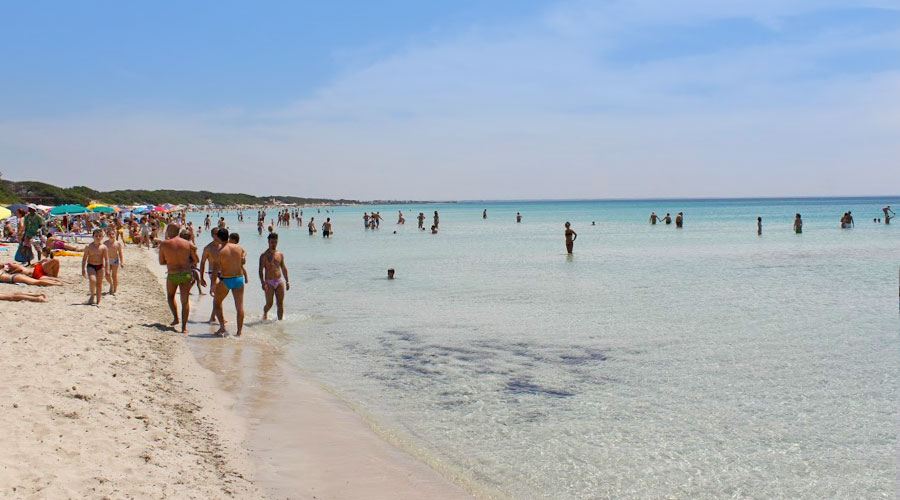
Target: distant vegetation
x: 47, y: 194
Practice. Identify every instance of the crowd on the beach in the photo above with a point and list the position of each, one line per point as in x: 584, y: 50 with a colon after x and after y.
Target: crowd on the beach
x: 40, y: 240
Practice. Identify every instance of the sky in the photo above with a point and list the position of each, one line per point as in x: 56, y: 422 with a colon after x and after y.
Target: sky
x: 455, y: 100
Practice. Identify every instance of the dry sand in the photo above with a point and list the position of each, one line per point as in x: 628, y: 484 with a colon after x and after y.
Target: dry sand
x: 104, y: 402
x: 108, y: 402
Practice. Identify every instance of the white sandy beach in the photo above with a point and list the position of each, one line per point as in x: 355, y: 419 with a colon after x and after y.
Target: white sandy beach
x: 109, y: 403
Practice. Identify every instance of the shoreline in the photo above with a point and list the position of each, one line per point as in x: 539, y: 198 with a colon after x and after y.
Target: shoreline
x: 304, y: 441
x: 105, y: 401
x: 109, y: 401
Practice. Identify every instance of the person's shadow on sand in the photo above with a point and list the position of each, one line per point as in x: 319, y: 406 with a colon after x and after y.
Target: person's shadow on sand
x: 158, y: 326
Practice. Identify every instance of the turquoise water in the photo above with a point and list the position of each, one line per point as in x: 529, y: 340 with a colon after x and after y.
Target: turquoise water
x: 705, y: 362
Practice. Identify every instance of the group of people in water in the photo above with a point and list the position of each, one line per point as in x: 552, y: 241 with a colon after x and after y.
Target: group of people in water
x: 223, y: 261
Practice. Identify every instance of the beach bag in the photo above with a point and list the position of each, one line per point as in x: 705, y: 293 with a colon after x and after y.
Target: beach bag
x: 24, y: 252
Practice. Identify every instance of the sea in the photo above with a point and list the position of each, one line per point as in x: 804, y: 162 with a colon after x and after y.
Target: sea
x: 653, y: 362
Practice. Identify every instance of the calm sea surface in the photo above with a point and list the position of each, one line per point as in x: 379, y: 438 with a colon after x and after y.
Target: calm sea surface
x: 705, y: 362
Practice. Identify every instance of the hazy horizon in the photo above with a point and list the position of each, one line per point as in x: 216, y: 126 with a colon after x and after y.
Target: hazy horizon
x: 458, y: 101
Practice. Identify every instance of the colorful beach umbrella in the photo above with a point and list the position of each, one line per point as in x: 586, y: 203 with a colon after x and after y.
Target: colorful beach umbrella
x: 103, y: 209
x: 4, y: 213
x: 68, y: 210
x: 160, y: 209
x: 15, y: 208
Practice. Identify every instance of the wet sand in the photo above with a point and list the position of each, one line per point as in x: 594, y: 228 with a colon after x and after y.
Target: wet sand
x: 304, y: 441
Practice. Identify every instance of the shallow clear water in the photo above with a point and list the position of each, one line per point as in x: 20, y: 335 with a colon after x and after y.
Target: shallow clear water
x: 705, y: 362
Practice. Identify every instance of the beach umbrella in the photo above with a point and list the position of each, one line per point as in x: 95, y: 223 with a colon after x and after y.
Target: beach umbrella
x: 103, y: 209
x: 68, y: 210
x: 4, y: 213
x: 160, y: 209
x: 15, y: 208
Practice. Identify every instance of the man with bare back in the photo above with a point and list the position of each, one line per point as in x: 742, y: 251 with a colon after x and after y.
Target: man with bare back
x: 178, y: 255
x: 273, y: 275
x: 230, y: 261
x: 210, y: 252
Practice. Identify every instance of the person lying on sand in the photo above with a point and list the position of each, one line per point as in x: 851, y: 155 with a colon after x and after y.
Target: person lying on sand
x: 22, y: 278
x: 56, y: 243
x: 44, y: 267
x: 20, y: 296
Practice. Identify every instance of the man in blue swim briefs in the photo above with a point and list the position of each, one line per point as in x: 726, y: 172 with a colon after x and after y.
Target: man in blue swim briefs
x: 230, y: 261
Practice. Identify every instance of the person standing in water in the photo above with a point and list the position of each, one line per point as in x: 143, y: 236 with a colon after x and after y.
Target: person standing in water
x: 571, y: 236
x: 759, y: 226
x: 484, y: 214
x: 888, y: 214
x: 312, y: 225
x: 436, y: 219
x: 326, y: 228
x: 273, y: 275
x: 518, y: 217
x: 679, y: 220
x: 667, y: 219
x: 421, y: 221
x: 798, y: 224
x: 653, y: 218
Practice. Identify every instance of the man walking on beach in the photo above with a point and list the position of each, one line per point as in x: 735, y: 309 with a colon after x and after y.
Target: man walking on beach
x: 230, y: 261
x: 177, y: 254
x: 273, y: 275
x: 210, y: 251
